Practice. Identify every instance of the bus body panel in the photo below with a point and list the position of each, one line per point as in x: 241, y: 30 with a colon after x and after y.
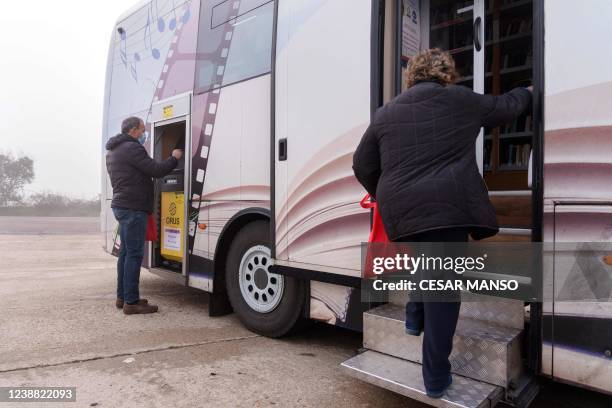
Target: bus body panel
x: 578, y: 192
x: 321, y: 46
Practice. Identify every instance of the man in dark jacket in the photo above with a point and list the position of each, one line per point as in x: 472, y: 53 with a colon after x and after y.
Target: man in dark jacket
x: 130, y: 169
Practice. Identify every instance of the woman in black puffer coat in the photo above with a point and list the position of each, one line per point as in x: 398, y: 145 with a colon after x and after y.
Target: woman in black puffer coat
x: 418, y: 160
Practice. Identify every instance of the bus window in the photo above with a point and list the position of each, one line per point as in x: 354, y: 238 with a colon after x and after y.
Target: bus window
x: 248, y: 35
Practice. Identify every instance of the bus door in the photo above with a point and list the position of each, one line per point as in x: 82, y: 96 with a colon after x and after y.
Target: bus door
x: 322, y: 108
x: 171, y: 129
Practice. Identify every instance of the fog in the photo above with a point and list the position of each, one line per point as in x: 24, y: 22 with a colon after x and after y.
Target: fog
x: 52, y: 69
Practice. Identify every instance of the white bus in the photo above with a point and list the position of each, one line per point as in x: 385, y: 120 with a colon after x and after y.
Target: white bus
x: 269, y: 99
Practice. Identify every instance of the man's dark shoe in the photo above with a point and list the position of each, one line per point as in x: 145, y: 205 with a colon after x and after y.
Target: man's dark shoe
x: 119, y: 302
x: 139, y: 309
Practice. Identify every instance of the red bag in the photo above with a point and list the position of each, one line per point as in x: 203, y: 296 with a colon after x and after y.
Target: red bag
x: 151, y: 234
x: 378, y: 233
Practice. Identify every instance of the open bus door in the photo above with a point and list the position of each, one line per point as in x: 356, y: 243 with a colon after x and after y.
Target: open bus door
x: 171, y: 129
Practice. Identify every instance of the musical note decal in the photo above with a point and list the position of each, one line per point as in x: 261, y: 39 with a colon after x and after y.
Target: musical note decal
x: 147, y: 36
x: 172, y: 23
x: 134, y: 56
x: 123, y: 46
x: 161, y: 25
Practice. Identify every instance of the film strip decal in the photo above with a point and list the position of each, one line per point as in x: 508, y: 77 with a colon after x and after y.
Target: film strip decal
x: 200, y: 155
x: 171, y: 58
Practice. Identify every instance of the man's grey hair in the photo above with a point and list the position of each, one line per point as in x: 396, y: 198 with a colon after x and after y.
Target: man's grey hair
x: 130, y: 123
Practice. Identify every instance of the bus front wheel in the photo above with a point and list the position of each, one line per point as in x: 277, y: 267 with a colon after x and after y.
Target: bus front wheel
x: 266, y: 303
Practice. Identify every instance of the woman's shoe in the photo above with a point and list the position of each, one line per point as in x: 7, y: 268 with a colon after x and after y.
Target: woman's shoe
x: 413, y: 331
x: 438, y: 393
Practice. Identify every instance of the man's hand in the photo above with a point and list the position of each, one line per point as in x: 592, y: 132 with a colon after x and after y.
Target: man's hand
x: 530, y: 88
x: 177, y: 154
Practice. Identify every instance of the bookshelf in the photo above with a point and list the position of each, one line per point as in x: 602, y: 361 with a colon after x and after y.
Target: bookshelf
x: 509, y: 63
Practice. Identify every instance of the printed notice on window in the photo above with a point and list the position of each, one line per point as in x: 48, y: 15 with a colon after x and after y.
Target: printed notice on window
x: 172, y: 239
x: 411, y: 28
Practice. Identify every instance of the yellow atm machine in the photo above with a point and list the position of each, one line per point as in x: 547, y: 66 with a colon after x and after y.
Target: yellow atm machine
x: 172, y: 217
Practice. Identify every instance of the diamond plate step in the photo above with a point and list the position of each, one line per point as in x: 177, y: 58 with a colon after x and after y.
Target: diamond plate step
x: 480, y: 351
x: 498, y: 311
x: 405, y: 378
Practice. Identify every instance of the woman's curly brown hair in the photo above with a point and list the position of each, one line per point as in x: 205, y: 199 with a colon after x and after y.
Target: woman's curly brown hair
x: 432, y: 65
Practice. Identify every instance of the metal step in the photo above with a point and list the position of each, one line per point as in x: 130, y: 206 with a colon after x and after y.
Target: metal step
x: 495, y: 310
x: 405, y: 378
x: 480, y: 351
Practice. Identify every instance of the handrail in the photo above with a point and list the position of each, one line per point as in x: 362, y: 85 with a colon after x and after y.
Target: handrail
x: 515, y: 231
x: 510, y: 193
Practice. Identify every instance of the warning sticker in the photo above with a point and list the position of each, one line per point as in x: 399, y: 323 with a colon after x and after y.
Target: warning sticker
x: 172, y: 239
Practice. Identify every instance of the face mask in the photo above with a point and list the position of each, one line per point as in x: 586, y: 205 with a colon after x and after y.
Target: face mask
x: 143, y: 138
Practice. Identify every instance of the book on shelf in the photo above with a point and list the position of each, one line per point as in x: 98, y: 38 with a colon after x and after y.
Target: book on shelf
x: 513, y: 59
x: 515, y: 26
x: 510, y: 155
x: 487, y: 156
x: 526, y: 25
x: 529, y: 58
x: 517, y: 155
x: 526, y: 154
x: 521, y: 125
x: 488, y: 35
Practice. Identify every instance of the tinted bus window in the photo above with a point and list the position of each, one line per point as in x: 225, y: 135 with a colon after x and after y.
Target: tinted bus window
x: 233, y: 45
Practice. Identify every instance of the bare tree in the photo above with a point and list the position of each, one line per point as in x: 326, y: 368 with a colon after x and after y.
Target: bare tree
x: 15, y: 173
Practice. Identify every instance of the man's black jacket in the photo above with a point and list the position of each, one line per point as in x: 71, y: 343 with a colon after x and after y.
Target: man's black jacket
x: 417, y: 158
x: 130, y: 169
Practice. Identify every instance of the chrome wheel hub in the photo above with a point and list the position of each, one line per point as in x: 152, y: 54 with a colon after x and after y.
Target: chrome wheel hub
x: 260, y: 289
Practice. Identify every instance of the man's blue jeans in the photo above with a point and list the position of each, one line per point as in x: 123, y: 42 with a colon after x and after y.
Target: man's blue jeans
x: 132, y: 229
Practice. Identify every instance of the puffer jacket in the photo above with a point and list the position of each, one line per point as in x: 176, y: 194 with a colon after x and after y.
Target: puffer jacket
x: 130, y: 169
x: 418, y: 158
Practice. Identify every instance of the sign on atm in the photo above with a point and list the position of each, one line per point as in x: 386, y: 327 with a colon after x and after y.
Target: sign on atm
x: 168, y: 111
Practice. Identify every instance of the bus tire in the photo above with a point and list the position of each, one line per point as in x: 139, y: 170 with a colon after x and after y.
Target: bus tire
x: 266, y: 303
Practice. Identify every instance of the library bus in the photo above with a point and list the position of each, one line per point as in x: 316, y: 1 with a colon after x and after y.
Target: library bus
x: 269, y: 99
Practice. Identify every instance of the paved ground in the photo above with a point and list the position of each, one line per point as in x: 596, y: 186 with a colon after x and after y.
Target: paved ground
x: 49, y: 225
x: 59, y: 327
